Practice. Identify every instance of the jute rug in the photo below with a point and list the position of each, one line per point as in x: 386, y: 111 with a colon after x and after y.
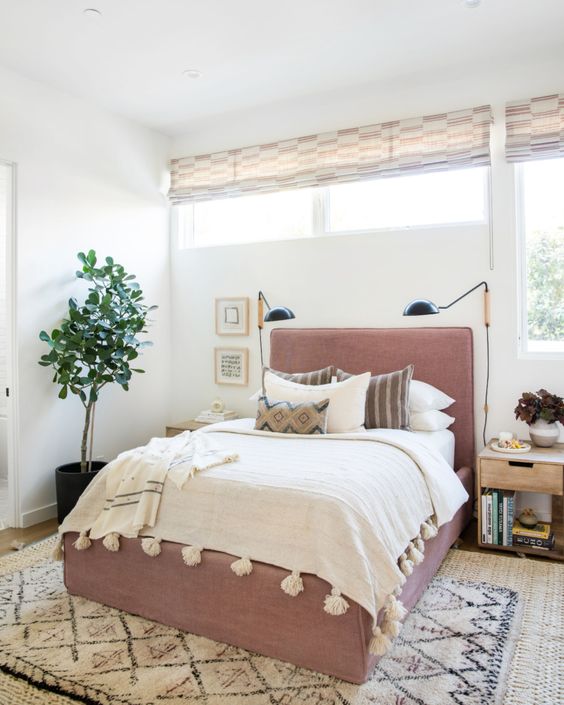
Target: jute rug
x: 488, y: 630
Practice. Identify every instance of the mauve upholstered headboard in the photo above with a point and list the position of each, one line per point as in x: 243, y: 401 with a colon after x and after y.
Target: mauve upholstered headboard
x: 442, y: 357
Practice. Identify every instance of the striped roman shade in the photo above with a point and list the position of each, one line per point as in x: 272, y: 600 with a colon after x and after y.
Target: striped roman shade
x: 432, y: 143
x: 535, y: 128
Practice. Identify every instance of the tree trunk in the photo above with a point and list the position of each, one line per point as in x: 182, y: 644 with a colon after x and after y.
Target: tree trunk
x: 84, y: 444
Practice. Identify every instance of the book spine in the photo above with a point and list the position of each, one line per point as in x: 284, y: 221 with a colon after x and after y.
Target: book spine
x: 500, y: 517
x: 489, y: 513
x: 505, y: 527
x: 546, y: 544
x: 510, y: 513
x: 484, y: 513
x: 494, y: 517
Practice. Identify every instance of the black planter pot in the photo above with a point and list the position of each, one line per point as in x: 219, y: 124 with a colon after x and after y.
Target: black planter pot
x: 71, y: 483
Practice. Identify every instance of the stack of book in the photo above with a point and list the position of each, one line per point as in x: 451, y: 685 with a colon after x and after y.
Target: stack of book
x: 538, y: 537
x: 498, y: 507
x: 209, y: 416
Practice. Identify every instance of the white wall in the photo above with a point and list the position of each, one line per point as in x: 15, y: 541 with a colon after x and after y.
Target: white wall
x: 86, y: 179
x: 364, y: 280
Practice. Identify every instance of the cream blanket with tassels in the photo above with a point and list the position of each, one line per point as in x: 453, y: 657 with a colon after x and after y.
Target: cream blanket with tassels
x: 343, y: 507
x: 134, y: 480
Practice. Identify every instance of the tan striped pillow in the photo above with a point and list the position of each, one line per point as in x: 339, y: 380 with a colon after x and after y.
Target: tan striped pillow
x: 387, y: 399
x: 315, y: 377
x: 309, y: 417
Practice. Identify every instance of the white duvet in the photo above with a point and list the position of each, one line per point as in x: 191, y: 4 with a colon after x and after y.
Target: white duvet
x: 340, y: 506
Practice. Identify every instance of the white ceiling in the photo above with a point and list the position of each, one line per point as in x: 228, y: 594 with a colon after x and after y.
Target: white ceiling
x: 254, y: 52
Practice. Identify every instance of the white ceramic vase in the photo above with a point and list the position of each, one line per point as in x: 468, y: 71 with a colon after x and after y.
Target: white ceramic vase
x: 544, y: 434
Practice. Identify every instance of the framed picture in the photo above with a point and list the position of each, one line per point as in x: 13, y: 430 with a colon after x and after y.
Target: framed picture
x: 232, y: 366
x: 232, y: 316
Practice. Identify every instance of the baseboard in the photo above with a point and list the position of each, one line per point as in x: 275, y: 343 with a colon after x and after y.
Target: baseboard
x: 36, y: 516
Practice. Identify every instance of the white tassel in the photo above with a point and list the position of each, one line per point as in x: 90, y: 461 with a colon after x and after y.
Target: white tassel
x: 419, y: 544
x: 292, y: 584
x: 58, y: 550
x: 406, y: 566
x: 241, y: 567
x: 428, y: 530
x: 82, y: 542
x: 398, y: 590
x: 192, y: 555
x: 335, y: 603
x: 415, y: 556
x: 111, y: 541
x: 394, y: 609
x: 151, y: 546
x: 379, y: 643
x: 391, y: 627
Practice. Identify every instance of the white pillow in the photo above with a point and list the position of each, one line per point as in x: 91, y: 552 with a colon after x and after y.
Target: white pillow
x: 347, y: 400
x: 425, y: 397
x: 433, y: 420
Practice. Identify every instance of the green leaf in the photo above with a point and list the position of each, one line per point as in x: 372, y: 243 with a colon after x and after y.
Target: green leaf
x: 82, y: 257
x: 63, y: 393
x: 91, y: 258
x: 110, y: 260
x: 137, y: 369
x: 43, y: 335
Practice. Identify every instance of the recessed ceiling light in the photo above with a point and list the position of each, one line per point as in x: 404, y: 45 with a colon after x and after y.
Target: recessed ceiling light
x: 192, y: 73
x: 471, y: 3
x: 92, y: 12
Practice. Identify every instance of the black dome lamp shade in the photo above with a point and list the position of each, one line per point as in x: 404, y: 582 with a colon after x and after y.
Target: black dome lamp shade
x: 273, y: 313
x: 424, y: 307
x: 420, y: 307
x: 278, y: 313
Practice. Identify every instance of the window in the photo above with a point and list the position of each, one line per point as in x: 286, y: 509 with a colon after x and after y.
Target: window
x: 541, y: 185
x: 442, y: 198
x: 439, y: 199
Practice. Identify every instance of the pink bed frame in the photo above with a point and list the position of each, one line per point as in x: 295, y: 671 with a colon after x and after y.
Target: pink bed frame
x: 213, y: 602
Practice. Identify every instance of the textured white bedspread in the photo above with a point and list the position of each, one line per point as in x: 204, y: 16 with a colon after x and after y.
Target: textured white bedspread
x: 343, y: 507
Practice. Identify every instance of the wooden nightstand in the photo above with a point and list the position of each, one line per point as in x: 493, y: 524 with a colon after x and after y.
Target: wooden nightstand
x: 539, y: 470
x: 190, y: 425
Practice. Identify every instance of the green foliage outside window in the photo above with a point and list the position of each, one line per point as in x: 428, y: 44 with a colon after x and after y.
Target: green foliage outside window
x: 545, y: 285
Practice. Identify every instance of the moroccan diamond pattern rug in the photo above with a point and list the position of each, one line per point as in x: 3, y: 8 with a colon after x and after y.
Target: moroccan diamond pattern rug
x: 457, y: 646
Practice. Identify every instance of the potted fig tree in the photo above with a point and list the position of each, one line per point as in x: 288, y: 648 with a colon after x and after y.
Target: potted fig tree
x: 93, y: 347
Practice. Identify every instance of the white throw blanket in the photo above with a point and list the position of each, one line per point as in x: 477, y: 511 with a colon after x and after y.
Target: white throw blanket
x: 344, y: 507
x: 135, y: 480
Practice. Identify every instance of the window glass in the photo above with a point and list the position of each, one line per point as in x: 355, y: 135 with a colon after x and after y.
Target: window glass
x: 409, y: 201
x: 285, y: 215
x: 543, y: 253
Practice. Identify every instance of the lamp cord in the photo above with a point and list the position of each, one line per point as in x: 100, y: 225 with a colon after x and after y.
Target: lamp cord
x: 486, y: 408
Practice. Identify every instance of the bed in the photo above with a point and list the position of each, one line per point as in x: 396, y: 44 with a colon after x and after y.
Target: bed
x: 214, y: 602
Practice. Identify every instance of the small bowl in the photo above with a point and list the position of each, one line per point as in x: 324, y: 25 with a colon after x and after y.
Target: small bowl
x: 528, y: 519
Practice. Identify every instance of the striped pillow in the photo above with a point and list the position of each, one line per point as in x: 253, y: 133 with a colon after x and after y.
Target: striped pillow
x: 307, y: 417
x: 387, y: 400
x: 316, y: 377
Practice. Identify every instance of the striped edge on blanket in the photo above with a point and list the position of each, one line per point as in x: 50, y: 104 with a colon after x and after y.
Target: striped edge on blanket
x: 335, y: 604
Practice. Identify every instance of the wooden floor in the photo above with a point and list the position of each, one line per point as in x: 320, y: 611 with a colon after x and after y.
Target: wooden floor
x: 26, y: 536
x: 467, y: 541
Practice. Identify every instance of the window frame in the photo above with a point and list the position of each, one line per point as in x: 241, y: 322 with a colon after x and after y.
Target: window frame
x: 182, y: 221
x: 523, y: 352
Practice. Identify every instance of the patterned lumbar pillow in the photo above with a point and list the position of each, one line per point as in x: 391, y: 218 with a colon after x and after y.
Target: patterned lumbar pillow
x: 315, y: 377
x: 292, y: 417
x: 387, y: 400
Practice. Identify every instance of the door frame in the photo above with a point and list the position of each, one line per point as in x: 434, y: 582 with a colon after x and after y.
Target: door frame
x: 12, y: 431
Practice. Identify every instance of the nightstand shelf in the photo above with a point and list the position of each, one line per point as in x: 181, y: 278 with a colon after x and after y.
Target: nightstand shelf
x: 539, y: 470
x: 177, y: 428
